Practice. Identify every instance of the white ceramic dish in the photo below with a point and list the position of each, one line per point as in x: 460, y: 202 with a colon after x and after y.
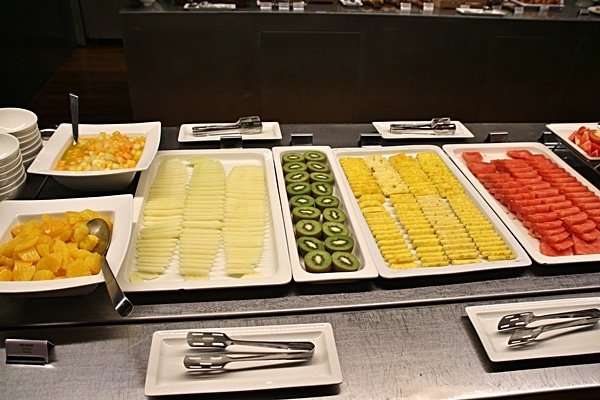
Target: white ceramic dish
x: 119, y: 208
x: 274, y: 265
x: 361, y: 248
x: 498, y: 151
x: 166, y: 374
x: 521, y: 260
x: 594, y: 10
x: 485, y: 321
x: 383, y: 128
x: 6, y: 178
x: 270, y: 131
x: 563, y: 131
x: 15, y: 190
x: 481, y: 12
x: 17, y: 120
x: 10, y: 167
x: 112, y: 180
x: 530, y: 5
x: 9, y: 148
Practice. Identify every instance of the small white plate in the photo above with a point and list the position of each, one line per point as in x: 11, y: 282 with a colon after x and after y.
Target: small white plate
x: 383, y: 128
x: 270, y: 131
x: 485, y: 321
x: 594, y: 10
x: 166, y: 374
x: 563, y: 131
x: 119, y: 208
x: 481, y: 12
x: 522, y: 4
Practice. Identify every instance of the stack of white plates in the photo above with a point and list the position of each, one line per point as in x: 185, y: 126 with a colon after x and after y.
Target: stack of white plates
x: 12, y: 170
x: 22, y: 124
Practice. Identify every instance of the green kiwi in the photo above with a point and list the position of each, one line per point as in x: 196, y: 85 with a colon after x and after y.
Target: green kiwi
x: 327, y: 201
x: 307, y: 244
x: 339, y: 243
x: 344, y: 262
x: 292, y: 157
x: 317, y: 261
x: 317, y: 166
x: 301, y: 200
x: 315, y: 155
x: 321, y: 177
x: 308, y: 227
x: 294, y: 167
x: 305, y: 212
x: 298, y: 188
x: 298, y: 176
x: 334, y: 214
x: 321, y: 189
x: 331, y: 228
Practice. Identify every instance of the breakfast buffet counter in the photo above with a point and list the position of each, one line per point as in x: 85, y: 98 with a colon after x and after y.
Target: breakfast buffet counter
x: 395, y: 338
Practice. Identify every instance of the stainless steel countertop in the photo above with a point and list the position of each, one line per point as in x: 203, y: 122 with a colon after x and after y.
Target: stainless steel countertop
x: 97, y: 351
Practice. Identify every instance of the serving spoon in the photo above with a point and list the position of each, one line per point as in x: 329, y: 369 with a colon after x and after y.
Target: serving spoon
x: 99, y: 228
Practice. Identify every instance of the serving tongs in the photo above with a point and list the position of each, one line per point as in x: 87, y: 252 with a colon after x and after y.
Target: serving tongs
x: 219, y: 340
x: 523, y: 319
x: 443, y: 125
x: 244, y: 125
x: 528, y: 335
x: 212, y: 361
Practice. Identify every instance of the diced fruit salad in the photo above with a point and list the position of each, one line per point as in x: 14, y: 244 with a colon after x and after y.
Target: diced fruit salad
x: 560, y: 211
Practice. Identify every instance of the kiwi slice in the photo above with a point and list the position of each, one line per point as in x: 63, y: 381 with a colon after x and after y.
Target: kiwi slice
x: 292, y: 157
x: 308, y: 227
x: 305, y: 212
x: 339, y: 243
x: 315, y: 155
x: 299, y: 176
x: 307, y: 244
x: 327, y: 201
x: 321, y: 189
x: 334, y: 214
x: 331, y: 228
x: 344, y: 262
x: 301, y: 200
x: 297, y: 188
x: 294, y: 167
x: 321, y: 177
x: 317, y: 166
x: 317, y: 261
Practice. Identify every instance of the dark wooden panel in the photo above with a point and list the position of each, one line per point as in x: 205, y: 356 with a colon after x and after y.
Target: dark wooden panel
x: 308, y: 77
x: 526, y: 78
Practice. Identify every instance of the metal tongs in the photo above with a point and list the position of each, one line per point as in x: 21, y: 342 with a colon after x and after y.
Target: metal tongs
x: 435, y: 126
x: 528, y: 335
x: 284, y: 351
x: 244, y: 125
x: 524, y: 319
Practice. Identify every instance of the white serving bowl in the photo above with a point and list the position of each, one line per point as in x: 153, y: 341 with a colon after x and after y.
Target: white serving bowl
x: 118, y: 208
x: 12, y: 175
x: 9, y: 169
x: 30, y: 141
x: 13, y: 189
x: 9, y: 148
x: 17, y: 121
x: 112, y: 180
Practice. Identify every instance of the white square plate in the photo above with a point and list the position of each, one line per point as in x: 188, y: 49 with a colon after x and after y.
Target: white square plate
x: 118, y: 208
x: 521, y: 260
x: 383, y: 128
x: 563, y: 131
x: 166, y: 374
x: 270, y: 131
x: 104, y: 180
x: 274, y: 264
x: 498, y: 151
x: 485, y: 321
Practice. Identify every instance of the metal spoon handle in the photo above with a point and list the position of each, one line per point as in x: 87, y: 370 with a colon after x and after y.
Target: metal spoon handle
x: 74, y: 102
x: 121, y: 303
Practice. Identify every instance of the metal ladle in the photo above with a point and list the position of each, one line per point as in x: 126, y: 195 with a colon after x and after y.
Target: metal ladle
x: 99, y: 228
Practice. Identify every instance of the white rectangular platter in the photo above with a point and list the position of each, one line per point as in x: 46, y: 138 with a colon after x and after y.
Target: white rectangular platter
x: 521, y: 260
x: 383, y: 128
x: 361, y: 251
x: 118, y: 208
x: 270, y: 131
x: 563, y: 131
x: 527, y: 5
x: 166, y: 374
x: 498, y: 151
x: 485, y: 321
x: 274, y: 266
